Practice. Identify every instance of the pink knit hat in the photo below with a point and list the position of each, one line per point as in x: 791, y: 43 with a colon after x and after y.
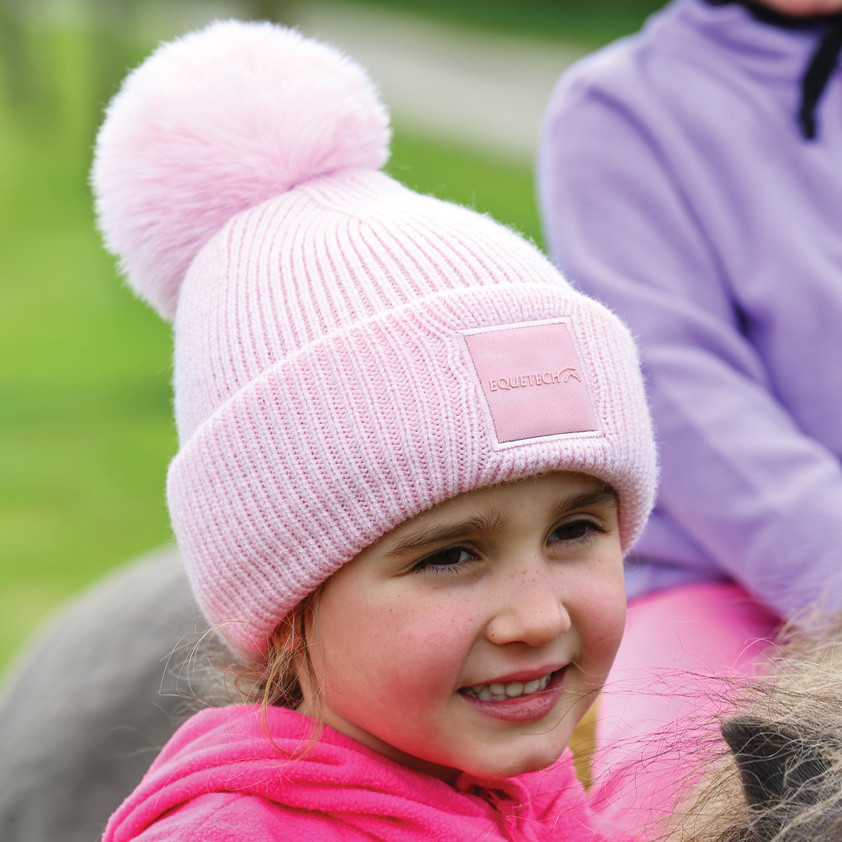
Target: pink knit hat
x: 348, y: 353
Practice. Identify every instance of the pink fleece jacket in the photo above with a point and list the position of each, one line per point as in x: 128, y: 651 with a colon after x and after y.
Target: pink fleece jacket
x: 220, y: 779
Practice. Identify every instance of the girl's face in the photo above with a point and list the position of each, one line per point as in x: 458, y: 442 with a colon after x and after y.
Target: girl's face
x: 474, y: 636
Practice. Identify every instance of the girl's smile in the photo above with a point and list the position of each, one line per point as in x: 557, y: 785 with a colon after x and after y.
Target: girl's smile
x: 474, y: 636
x: 518, y: 701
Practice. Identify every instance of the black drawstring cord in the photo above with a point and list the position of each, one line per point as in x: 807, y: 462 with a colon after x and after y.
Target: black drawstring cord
x: 821, y: 64
x: 815, y: 78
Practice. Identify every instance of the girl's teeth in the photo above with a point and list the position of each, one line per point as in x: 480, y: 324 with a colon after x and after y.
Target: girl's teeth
x: 497, y: 692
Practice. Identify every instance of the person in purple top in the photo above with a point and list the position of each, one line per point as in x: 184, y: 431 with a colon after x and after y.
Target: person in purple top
x: 690, y: 177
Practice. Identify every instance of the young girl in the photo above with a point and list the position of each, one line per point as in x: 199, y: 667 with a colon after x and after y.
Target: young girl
x: 411, y: 457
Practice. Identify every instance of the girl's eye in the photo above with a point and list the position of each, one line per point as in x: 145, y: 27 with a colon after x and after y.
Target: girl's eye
x: 447, y: 560
x: 576, y: 531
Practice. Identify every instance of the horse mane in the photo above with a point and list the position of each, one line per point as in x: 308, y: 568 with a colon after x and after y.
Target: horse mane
x: 778, y: 774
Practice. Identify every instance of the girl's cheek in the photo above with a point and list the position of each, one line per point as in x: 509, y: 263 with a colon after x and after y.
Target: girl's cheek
x: 603, y: 614
x: 616, y: 626
x: 432, y: 627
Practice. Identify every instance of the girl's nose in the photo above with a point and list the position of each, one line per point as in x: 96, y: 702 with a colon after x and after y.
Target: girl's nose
x: 531, y: 609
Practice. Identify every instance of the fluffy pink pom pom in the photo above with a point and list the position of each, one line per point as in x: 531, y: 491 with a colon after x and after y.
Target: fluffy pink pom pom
x: 213, y: 124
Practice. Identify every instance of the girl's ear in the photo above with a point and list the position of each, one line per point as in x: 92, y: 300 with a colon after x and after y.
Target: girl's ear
x: 782, y: 773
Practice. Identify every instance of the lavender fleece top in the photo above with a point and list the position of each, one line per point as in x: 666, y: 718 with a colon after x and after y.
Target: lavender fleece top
x: 220, y: 779
x: 675, y: 187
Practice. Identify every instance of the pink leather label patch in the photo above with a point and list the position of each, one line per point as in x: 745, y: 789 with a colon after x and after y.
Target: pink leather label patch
x: 532, y: 380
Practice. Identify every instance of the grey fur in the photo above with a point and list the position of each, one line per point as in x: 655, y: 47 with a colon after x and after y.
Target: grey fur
x: 89, y: 703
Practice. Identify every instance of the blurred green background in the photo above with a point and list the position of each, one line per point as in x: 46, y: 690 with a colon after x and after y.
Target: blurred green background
x: 85, y: 419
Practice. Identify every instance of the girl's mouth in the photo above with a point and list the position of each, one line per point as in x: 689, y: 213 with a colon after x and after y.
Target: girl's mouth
x: 499, y: 692
x: 517, y: 701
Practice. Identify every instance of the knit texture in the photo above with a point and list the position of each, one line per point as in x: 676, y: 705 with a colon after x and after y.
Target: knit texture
x: 325, y: 390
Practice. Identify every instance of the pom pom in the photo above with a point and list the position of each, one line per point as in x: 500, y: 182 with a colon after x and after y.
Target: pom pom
x: 215, y: 123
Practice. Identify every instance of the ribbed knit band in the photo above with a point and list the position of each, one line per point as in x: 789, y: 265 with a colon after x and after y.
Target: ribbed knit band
x: 336, y: 444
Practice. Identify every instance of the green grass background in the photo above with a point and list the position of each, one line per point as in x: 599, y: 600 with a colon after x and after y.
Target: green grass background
x: 85, y: 417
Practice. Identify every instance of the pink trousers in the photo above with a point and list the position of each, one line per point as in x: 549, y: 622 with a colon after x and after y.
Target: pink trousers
x: 683, y: 651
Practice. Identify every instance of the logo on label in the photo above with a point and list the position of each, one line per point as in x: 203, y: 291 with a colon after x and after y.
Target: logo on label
x: 531, y: 377
x: 524, y: 380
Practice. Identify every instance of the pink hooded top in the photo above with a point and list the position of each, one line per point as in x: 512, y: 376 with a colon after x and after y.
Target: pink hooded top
x: 221, y: 779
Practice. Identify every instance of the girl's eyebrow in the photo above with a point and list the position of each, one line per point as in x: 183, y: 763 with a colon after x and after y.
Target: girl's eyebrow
x: 604, y: 496
x: 434, y: 534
